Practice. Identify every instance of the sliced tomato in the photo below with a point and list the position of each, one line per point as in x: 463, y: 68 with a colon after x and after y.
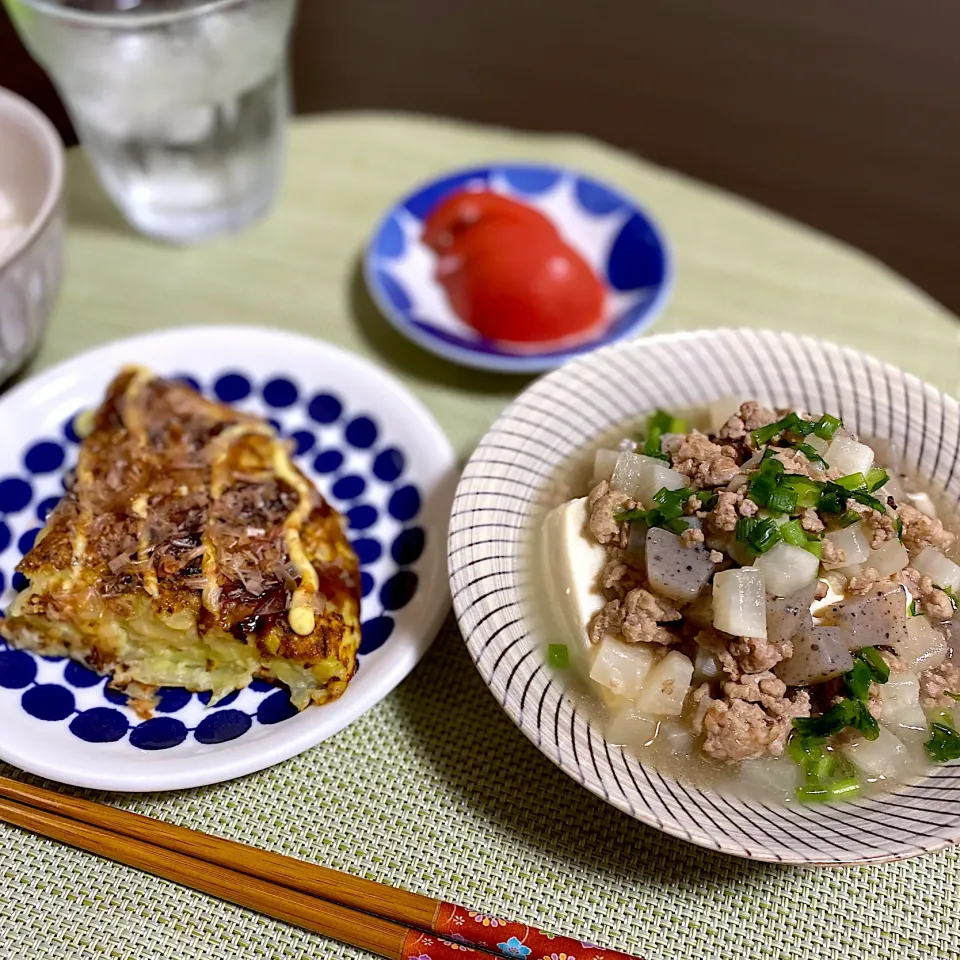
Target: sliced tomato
x: 512, y: 283
x: 453, y: 221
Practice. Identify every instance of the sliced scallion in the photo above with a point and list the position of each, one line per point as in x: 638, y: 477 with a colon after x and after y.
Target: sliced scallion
x: 876, y: 478
x: 852, y: 481
x: 558, y: 655
x: 826, y: 427
x: 812, y: 455
x: 792, y: 533
x: 849, y: 518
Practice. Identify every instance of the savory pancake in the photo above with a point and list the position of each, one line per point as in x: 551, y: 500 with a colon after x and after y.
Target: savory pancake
x: 190, y: 551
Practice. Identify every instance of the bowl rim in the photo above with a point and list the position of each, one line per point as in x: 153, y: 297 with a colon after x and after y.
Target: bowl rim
x: 34, y: 120
x: 466, y: 594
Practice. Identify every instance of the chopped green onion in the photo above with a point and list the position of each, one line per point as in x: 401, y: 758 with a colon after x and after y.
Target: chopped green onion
x: 944, y: 743
x: 912, y: 609
x: 662, y: 422
x: 837, y: 718
x: 952, y: 696
x: 782, y: 500
x: 761, y: 487
x: 898, y: 526
x: 558, y: 655
x: 807, y: 490
x: 815, y: 547
x: 812, y: 455
x: 813, y: 793
x: 792, y: 533
x: 843, y: 789
x: 832, y: 501
x: 707, y: 498
x: 858, y: 679
x: 668, y: 513
x: 791, y: 422
x: 849, y: 518
x: 861, y: 497
x: 745, y: 526
x: 852, y: 481
x: 826, y: 427
x: 878, y: 666
x: 769, y: 462
x: 876, y: 478
x: 651, y: 448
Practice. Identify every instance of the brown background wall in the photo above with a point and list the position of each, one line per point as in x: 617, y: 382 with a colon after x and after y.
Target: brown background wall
x: 841, y: 113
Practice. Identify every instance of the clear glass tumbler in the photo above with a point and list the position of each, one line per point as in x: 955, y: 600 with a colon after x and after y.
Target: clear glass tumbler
x: 181, y: 104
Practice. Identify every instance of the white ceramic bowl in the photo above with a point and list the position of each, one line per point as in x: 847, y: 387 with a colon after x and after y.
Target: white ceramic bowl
x: 508, y: 485
x: 31, y: 179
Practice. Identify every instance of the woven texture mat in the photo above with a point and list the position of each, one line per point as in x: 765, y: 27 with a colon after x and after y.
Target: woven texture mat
x: 434, y: 789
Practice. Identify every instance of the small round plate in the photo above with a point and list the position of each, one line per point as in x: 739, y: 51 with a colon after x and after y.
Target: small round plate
x: 514, y: 477
x: 620, y: 241
x: 372, y: 450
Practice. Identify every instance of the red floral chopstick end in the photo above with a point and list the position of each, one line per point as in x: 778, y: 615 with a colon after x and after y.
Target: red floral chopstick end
x: 514, y: 940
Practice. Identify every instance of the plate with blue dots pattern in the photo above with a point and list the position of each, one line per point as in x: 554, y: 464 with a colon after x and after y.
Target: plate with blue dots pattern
x: 622, y: 243
x: 373, y: 451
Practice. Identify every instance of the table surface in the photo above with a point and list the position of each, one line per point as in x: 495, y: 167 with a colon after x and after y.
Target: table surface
x: 434, y: 789
x: 842, y: 115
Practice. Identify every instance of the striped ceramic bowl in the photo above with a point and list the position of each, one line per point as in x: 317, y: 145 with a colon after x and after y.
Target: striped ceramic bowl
x: 509, y: 484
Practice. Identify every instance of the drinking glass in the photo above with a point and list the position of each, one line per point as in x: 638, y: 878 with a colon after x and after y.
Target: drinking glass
x: 180, y: 104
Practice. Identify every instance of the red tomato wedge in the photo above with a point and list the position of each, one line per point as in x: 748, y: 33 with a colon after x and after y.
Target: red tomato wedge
x: 508, y: 273
x: 454, y: 219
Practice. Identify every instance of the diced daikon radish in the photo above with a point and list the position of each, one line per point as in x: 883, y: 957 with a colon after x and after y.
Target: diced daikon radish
x: 574, y: 562
x: 785, y: 569
x: 777, y: 777
x: 622, y: 666
x: 888, y: 558
x: 924, y: 646
x: 849, y: 456
x: 900, y: 704
x: 653, y: 478
x: 818, y: 444
x: 604, y: 463
x: 941, y: 570
x: 631, y: 727
x: 677, y: 737
x: 676, y: 571
x: 706, y: 666
x: 721, y: 410
x: 819, y: 654
x: 884, y: 757
x: 739, y: 602
x: 852, y: 541
x: 627, y: 471
x: 666, y: 686
x: 923, y: 502
x: 877, y: 619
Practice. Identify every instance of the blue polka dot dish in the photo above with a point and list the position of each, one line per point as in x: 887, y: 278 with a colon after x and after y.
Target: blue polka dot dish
x: 622, y: 244
x: 371, y: 449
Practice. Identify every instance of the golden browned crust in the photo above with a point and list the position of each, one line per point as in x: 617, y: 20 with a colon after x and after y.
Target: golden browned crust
x: 190, y: 514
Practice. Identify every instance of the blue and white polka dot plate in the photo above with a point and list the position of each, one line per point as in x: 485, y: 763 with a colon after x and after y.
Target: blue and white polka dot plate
x: 373, y: 451
x: 618, y: 239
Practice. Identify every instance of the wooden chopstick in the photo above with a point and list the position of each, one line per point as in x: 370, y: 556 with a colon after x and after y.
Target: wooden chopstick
x: 390, y: 922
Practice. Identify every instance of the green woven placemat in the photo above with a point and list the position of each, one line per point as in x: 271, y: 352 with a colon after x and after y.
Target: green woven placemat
x: 434, y: 789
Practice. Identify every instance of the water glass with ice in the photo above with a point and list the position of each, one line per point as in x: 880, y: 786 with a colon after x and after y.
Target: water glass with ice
x: 180, y: 104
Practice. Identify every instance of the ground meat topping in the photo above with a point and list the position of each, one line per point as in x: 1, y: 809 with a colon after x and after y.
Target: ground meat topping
x: 879, y: 527
x: 811, y: 522
x: 635, y: 619
x: 691, y: 537
x: 704, y: 461
x: 755, y: 654
x: 745, y: 730
x: 724, y: 515
x: 935, y: 685
x: 921, y: 531
x: 751, y: 416
x: 862, y: 585
x: 747, y: 508
x: 832, y: 553
x: 603, y: 505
